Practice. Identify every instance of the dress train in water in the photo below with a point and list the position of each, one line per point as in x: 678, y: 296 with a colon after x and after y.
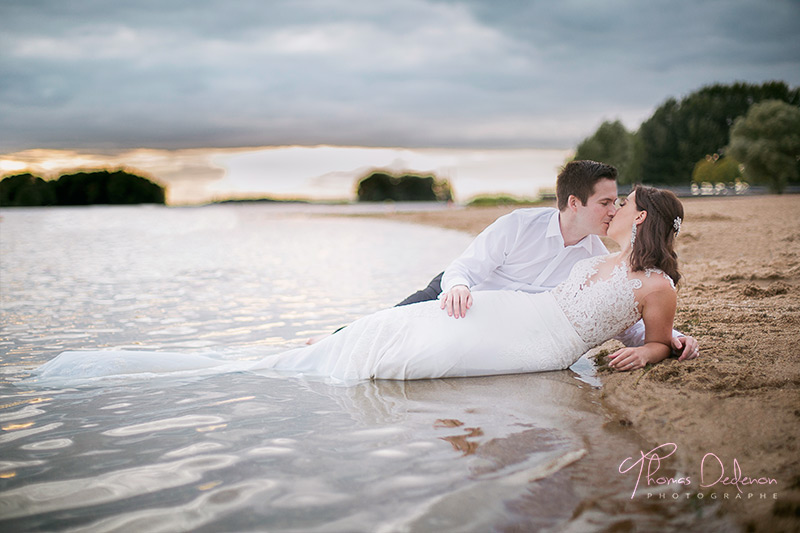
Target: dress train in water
x: 505, y: 332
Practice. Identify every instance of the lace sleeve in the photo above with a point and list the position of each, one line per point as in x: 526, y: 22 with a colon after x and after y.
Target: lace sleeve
x: 650, y: 271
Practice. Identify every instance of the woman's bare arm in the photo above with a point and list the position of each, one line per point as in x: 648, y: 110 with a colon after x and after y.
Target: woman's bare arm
x: 658, y: 313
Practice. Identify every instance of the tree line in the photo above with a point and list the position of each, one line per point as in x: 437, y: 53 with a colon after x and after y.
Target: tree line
x: 719, y: 132
x: 81, y: 188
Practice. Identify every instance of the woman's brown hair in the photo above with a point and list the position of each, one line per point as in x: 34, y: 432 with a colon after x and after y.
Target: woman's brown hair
x: 655, y: 237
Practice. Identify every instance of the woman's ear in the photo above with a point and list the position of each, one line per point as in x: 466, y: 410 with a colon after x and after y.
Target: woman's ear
x: 640, y: 216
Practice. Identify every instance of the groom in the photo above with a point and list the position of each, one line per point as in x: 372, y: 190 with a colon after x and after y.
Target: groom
x: 533, y: 250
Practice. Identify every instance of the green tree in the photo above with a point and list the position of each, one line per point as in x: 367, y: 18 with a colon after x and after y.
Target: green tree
x: 680, y: 133
x: 82, y: 188
x: 726, y: 170
x: 659, y: 139
x: 715, y: 169
x: 767, y: 142
x: 104, y: 187
x: 704, y: 170
x: 614, y: 145
x: 380, y: 186
x: 26, y: 190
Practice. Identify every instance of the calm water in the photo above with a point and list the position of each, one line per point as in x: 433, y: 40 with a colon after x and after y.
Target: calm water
x: 243, y: 452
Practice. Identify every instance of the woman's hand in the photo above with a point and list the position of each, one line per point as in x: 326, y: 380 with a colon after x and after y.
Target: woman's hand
x: 685, y: 346
x: 628, y: 359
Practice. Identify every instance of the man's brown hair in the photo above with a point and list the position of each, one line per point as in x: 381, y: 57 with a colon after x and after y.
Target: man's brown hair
x: 578, y: 178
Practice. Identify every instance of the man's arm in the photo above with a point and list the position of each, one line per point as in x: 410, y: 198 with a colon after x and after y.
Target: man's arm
x: 484, y: 254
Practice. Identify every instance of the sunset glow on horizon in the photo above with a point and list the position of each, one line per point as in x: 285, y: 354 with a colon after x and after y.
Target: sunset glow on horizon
x: 311, y: 172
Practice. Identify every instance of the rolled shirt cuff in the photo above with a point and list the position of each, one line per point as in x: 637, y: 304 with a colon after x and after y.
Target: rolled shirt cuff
x: 452, y: 283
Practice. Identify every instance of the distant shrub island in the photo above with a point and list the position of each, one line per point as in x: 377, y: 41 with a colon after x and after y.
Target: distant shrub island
x: 380, y: 186
x: 82, y: 188
x: 502, y: 199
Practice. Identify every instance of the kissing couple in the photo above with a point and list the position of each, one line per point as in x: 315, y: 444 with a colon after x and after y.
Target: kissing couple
x: 533, y: 292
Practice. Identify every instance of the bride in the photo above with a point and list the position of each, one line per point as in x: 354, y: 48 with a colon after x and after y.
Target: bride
x: 505, y: 332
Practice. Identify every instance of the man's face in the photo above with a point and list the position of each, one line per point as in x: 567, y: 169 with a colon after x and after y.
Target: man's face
x: 599, y: 209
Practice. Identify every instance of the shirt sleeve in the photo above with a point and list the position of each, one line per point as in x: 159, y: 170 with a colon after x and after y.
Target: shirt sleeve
x: 483, y: 255
x: 634, y: 335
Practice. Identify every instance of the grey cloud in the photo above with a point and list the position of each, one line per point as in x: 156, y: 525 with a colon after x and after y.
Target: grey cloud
x: 88, y: 74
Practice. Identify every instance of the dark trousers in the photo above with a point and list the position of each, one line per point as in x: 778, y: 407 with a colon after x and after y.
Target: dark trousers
x: 431, y: 292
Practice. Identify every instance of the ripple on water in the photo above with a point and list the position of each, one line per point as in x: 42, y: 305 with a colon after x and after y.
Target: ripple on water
x: 210, y: 505
x: 6, y: 466
x: 165, y: 424
x: 23, y: 433
x: 120, y: 405
x: 283, y: 441
x: 375, y: 433
x: 405, y: 481
x: 195, y: 449
x: 390, y: 453
x: 28, y: 411
x: 52, y: 444
x: 174, y: 331
x: 108, y: 487
x: 309, y: 494
x: 270, y: 451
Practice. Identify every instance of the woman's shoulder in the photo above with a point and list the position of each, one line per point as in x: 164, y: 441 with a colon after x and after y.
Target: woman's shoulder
x: 655, y: 280
x: 659, y: 278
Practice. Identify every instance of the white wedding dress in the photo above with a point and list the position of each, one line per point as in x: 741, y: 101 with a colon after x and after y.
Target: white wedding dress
x: 505, y: 332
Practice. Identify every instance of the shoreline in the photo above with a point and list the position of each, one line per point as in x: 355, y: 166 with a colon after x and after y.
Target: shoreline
x: 734, y: 411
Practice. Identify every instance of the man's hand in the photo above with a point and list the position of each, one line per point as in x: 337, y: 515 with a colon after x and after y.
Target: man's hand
x: 687, y: 347
x: 457, y: 300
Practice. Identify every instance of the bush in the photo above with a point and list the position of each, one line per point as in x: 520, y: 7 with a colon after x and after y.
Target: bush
x: 26, y: 190
x: 82, y: 188
x: 382, y: 186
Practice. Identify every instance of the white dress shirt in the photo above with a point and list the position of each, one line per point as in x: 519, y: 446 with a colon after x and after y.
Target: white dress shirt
x: 524, y: 250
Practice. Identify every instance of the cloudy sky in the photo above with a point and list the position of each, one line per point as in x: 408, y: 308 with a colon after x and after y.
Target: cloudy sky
x: 90, y: 78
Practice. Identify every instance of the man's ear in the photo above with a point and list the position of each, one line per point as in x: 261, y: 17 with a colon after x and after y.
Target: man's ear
x: 573, y: 202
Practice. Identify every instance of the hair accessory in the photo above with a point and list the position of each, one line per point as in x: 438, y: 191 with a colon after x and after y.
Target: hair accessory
x: 677, y: 224
x: 633, y: 234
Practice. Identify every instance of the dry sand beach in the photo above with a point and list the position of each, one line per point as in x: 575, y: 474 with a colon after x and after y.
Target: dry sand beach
x: 740, y: 401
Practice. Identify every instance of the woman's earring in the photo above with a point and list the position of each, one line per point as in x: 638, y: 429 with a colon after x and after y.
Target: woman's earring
x: 633, y: 234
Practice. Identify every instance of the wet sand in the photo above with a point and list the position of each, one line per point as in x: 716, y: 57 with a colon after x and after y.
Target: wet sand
x: 740, y: 401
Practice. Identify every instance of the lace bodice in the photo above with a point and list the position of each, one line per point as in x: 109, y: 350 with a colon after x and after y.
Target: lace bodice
x: 600, y: 309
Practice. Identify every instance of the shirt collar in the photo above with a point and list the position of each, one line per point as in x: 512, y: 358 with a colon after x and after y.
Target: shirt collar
x: 554, y: 231
x: 553, y: 228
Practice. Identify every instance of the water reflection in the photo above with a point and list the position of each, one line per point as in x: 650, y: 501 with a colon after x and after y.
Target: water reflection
x: 288, y: 454
x: 462, y: 443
